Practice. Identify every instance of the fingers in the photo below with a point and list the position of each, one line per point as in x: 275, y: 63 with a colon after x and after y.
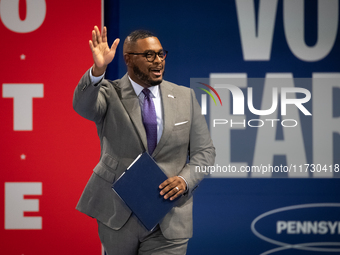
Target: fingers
x: 94, y: 38
x: 115, y: 45
x: 174, y: 193
x: 102, y: 54
x: 172, y: 187
x: 91, y: 45
x: 97, y: 38
x: 104, y: 35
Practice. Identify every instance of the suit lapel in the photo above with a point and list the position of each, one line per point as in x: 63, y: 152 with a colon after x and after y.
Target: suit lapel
x: 169, y: 114
x: 131, y: 104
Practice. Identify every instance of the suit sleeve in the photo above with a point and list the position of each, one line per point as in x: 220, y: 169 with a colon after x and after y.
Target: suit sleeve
x: 201, y: 148
x: 89, y: 99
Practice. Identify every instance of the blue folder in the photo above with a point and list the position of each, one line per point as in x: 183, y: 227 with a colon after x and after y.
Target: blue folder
x: 138, y: 187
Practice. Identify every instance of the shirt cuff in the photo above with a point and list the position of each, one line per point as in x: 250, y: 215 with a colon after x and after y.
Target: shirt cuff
x: 94, y: 79
x: 186, y: 188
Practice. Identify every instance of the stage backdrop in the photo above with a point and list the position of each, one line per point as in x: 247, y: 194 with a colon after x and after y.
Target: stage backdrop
x: 47, y: 150
x: 275, y: 186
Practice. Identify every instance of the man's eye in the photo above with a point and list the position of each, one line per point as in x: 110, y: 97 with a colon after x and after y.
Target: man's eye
x: 149, y: 54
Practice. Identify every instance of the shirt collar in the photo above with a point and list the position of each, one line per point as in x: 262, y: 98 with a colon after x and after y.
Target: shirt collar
x: 138, y: 89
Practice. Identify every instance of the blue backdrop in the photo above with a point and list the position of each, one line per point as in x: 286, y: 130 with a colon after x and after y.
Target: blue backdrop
x: 278, y: 213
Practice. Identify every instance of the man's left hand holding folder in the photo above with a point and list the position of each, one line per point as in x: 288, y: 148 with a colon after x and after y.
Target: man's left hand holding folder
x: 173, y: 187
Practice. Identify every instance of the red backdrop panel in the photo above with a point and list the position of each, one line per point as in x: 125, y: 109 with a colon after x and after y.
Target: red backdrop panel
x: 62, y: 148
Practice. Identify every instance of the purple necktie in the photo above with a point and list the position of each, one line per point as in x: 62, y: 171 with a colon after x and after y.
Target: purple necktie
x: 150, y: 121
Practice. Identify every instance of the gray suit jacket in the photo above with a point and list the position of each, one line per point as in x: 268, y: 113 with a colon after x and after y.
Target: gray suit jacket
x: 114, y: 107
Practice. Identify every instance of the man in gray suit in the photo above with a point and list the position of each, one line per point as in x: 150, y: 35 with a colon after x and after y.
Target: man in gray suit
x: 118, y: 109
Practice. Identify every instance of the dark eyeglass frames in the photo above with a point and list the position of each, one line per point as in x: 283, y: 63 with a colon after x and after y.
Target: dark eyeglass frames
x: 150, y: 55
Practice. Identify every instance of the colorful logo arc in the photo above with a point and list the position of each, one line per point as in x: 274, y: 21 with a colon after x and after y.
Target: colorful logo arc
x: 212, y: 89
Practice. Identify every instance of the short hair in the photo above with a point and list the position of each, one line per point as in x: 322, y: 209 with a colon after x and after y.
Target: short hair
x: 131, y: 39
x: 139, y: 34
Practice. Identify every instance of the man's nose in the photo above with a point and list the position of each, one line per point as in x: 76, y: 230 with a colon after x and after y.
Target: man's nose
x: 158, y: 59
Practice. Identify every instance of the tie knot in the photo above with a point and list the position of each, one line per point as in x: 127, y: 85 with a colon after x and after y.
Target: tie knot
x: 146, y: 92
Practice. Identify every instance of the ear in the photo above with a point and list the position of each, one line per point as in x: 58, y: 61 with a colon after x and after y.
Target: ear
x: 127, y: 59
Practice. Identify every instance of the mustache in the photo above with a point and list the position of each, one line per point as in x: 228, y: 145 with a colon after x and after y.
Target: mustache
x: 159, y: 67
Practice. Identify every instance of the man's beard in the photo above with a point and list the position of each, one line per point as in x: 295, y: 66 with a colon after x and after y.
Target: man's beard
x: 145, y: 78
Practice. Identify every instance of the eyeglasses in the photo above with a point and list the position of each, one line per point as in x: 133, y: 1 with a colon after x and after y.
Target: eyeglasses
x: 150, y: 55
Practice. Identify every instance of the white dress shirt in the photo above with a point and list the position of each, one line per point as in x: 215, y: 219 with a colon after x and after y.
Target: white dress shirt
x: 156, y: 98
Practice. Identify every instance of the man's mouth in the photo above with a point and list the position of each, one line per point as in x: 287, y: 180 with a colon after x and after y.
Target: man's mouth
x: 156, y: 71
